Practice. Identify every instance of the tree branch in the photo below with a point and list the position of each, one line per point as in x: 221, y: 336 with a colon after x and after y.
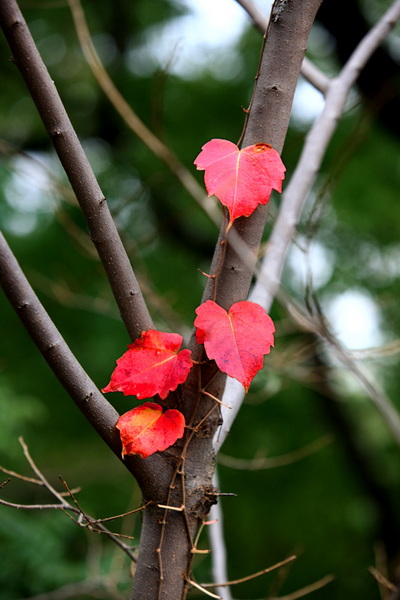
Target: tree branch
x: 103, y: 232
x: 313, y: 75
x: 297, y: 191
x: 97, y: 410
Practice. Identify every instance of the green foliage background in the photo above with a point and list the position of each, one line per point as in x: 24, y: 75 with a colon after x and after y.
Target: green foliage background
x: 321, y: 507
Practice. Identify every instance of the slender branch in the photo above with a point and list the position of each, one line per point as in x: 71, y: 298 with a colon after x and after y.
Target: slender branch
x: 300, y: 185
x: 84, y: 520
x: 313, y: 587
x: 256, y: 464
x: 132, y: 120
x: 316, y: 77
x: 89, y: 195
x: 253, y: 575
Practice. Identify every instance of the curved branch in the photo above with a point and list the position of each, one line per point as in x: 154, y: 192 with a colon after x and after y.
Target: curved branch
x: 97, y: 410
x: 56, y: 352
x: 89, y: 195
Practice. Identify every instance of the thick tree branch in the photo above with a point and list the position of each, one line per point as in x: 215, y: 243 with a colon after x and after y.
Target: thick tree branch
x: 316, y: 77
x: 296, y: 193
x: 89, y: 195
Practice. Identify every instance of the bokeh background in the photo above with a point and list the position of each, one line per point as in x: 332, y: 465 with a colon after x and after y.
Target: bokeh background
x: 314, y: 467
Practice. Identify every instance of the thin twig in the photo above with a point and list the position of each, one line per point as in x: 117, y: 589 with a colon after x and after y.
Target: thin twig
x: 84, y: 520
x: 34, y: 506
x: 203, y: 589
x: 252, y: 576
x: 31, y: 479
x: 313, y: 587
x: 256, y: 464
x: 382, y: 580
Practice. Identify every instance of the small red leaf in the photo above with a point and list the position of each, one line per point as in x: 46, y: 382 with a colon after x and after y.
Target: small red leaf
x: 152, y: 365
x: 236, y: 339
x: 241, y: 179
x: 146, y: 429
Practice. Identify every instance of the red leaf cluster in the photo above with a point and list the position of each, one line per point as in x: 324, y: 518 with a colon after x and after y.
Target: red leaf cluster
x: 241, y: 179
x: 236, y: 339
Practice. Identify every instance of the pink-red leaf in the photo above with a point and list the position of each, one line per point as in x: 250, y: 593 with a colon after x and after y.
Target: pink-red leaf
x: 146, y: 429
x: 152, y: 365
x: 241, y: 179
x: 236, y: 339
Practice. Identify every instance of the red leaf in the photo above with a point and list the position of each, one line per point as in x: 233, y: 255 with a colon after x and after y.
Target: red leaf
x: 238, y: 339
x: 241, y: 179
x: 146, y: 429
x: 152, y: 365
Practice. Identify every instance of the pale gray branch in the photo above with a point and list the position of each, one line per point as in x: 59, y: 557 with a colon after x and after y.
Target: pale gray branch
x: 218, y: 547
x: 295, y: 196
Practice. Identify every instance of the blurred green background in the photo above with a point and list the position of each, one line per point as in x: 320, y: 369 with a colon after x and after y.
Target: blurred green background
x: 188, y: 78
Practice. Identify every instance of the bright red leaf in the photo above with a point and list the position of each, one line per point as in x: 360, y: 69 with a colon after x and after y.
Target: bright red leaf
x: 146, y: 429
x: 236, y: 339
x: 241, y: 179
x: 152, y: 365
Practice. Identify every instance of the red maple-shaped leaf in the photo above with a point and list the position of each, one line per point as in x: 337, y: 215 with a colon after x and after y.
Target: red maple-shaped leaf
x: 241, y: 179
x: 146, y: 429
x: 236, y: 339
x: 152, y: 365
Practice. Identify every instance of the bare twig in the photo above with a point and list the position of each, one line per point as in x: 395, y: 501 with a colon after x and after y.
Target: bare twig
x: 297, y: 191
x: 316, y: 77
x: 289, y: 458
x: 382, y: 580
x: 83, y: 520
x: 313, y: 587
x: 132, y: 120
x: 252, y: 576
x: 89, y: 195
